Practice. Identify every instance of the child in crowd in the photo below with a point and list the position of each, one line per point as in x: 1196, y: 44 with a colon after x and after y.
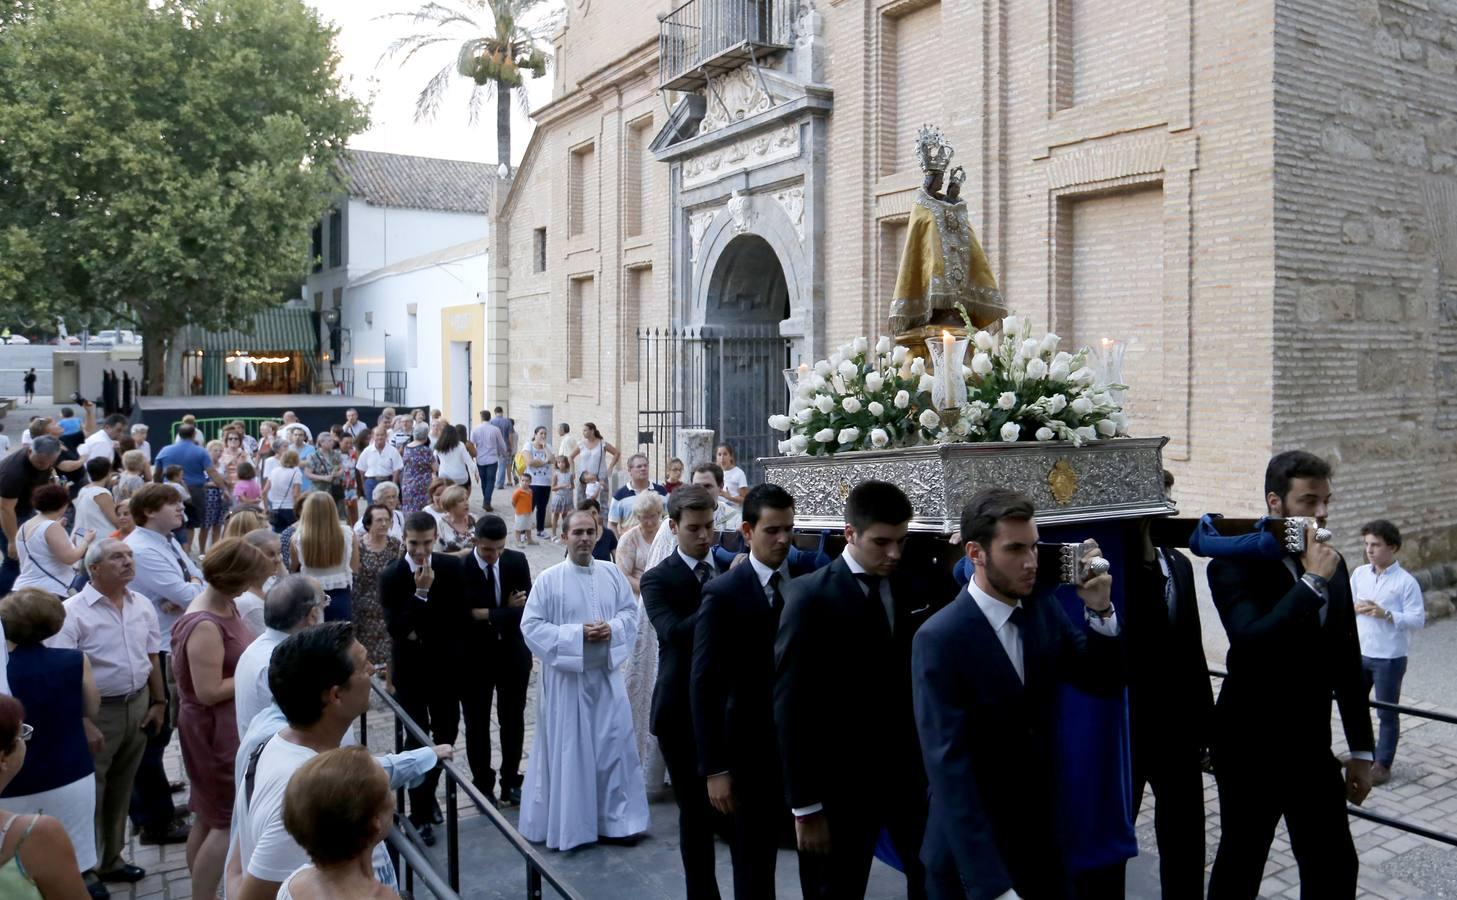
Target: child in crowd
x: 247, y: 494
x: 172, y: 475
x: 521, y: 502
x: 133, y: 475
x: 590, y: 486
x: 675, y: 475
x: 348, y: 465
x: 561, y: 494
x: 125, y: 525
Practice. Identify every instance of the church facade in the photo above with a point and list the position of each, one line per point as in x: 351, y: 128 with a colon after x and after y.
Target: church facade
x: 1259, y: 199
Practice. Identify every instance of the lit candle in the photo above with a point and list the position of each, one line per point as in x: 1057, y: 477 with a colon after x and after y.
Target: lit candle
x: 948, y: 344
x: 803, y: 370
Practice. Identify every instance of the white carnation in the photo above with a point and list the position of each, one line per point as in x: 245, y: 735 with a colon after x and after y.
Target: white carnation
x: 850, y: 405
x: 804, y: 415
x: 1036, y: 369
x: 1058, y: 371
x: 984, y: 341
x: 929, y: 418
x: 981, y: 363
x: 780, y: 423
x: 902, y: 400
x: 1087, y: 433
x: 825, y: 435
x: 878, y: 436
x: 1049, y: 343
x: 918, y: 366
x: 849, y: 435
x: 926, y: 383
x: 1107, y: 427
x: 874, y: 382
x: 800, y: 443
x: 899, y: 354
x: 1007, y: 400
x: 1082, y: 406
x: 861, y: 345
x: 883, y: 345
x: 1044, y: 433
x: 1011, y: 431
x: 823, y: 368
x: 876, y: 409
x: 1056, y: 404
x: 1011, y: 326
x: 825, y: 403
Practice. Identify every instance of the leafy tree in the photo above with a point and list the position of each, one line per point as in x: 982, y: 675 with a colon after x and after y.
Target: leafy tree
x: 162, y: 161
x: 494, y: 47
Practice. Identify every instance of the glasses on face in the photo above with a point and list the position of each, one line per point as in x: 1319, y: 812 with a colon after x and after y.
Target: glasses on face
x: 26, y: 731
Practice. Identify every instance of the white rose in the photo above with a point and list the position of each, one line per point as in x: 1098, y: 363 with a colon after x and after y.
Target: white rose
x: 984, y: 341
x: 818, y: 381
x: 849, y: 435
x: 899, y: 354
x: 1063, y: 357
x: 861, y: 345
x: 927, y: 381
x: 786, y: 447
x: 835, y: 359
x: 918, y: 366
x: 929, y: 418
x: 848, y: 370
x: 1036, y: 369
x: 850, y: 405
x: 1049, y: 343
x: 825, y: 403
x: 1007, y: 400
x: 1082, y: 376
x: 1058, y: 371
x: 876, y: 409
x: 804, y: 415
x: 823, y: 368
x: 1087, y: 433
x: 780, y: 423
x: 1056, y: 404
x: 962, y: 427
x: 1101, y: 399
x: 1121, y: 421
x: 902, y: 400
x: 883, y: 345
x: 1011, y: 326
x: 878, y: 437
x: 1107, y: 427
x: 825, y: 435
x: 806, y: 387
x: 800, y: 443
x: 874, y: 382
x: 1011, y: 431
x: 1044, y: 433
x: 981, y: 363
x: 1028, y: 350
x: 1082, y: 406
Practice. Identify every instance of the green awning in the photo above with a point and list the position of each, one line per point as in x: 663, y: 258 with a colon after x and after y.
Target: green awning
x: 276, y: 330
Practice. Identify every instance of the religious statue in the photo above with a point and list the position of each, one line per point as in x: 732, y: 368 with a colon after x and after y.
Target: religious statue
x: 943, y: 263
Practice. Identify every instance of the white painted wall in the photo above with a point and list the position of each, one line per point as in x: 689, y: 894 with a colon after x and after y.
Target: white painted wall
x: 377, y: 236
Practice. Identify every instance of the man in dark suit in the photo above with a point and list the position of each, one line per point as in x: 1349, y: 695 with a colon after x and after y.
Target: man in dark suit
x: 732, y: 689
x: 842, y: 700
x: 1292, y: 642
x: 986, y: 671
x: 497, y: 582
x: 672, y: 593
x: 1170, y: 710
x: 423, y: 596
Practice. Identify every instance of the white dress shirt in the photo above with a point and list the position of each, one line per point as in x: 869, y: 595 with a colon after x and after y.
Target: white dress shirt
x: 999, y: 616
x: 251, y: 694
x: 98, y: 444
x: 764, y: 573
x: 692, y: 563
x: 161, y: 565
x: 376, y: 463
x: 495, y: 573
x: 116, y: 641
x: 1397, y: 592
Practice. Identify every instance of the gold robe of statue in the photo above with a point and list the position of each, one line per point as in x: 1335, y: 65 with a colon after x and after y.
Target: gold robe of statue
x: 942, y: 265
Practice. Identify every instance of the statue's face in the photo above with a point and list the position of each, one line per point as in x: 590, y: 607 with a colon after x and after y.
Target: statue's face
x: 933, y: 182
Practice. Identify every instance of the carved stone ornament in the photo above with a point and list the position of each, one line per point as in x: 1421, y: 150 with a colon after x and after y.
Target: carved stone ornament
x: 733, y: 97
x: 697, y: 226
x: 742, y: 155
x: 1112, y: 479
x: 792, y: 200
x: 741, y: 208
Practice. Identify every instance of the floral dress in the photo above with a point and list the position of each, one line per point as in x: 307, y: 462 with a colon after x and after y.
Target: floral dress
x: 326, y: 462
x: 368, y: 613
x: 448, y: 540
x: 415, y: 477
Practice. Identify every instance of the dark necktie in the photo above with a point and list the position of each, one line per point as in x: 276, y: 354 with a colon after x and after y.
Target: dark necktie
x: 776, y: 599
x: 181, y: 563
x: 703, y: 572
x: 491, y: 587
x: 872, y: 589
x: 1019, y: 618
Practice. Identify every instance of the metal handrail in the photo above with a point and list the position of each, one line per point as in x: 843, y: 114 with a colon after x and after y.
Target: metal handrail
x: 1399, y: 824
x: 537, y: 870
x: 416, y: 864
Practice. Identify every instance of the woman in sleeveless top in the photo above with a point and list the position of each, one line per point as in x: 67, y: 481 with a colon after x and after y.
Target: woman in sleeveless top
x: 338, y: 806
x: 323, y: 548
x: 206, y: 644
x: 37, y: 861
x: 95, y: 507
x: 47, y: 556
x: 591, y: 456
x: 57, y: 687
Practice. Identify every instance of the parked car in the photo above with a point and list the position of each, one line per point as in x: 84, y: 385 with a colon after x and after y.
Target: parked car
x: 18, y: 339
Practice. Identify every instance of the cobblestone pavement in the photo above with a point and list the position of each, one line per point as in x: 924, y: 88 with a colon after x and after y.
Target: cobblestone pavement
x: 1423, y: 790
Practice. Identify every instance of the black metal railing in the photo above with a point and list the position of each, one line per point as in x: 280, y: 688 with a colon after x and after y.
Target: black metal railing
x: 712, y: 36
x: 417, y: 863
x: 1379, y: 818
x: 387, y: 386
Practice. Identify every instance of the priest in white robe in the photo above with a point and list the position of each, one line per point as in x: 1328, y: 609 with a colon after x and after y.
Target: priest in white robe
x: 584, y: 778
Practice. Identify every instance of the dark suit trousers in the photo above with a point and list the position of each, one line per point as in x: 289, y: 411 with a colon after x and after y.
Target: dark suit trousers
x: 695, y: 814
x: 1308, y: 789
x: 759, y: 815
x: 1171, y: 769
x: 844, y: 873
x: 500, y: 674
x: 429, y: 695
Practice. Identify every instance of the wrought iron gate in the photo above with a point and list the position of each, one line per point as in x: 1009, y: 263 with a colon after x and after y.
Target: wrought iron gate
x: 726, y: 378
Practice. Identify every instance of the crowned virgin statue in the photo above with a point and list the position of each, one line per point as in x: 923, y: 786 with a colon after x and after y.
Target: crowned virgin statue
x: 943, y: 264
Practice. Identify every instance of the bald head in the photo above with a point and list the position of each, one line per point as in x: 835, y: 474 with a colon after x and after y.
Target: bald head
x: 290, y: 604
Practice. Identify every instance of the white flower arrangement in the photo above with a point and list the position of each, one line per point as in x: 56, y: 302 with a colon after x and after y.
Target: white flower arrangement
x: 1019, y: 387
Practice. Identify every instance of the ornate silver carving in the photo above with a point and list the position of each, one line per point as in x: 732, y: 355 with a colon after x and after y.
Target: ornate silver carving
x: 1115, y: 479
x: 747, y: 153
x: 733, y: 97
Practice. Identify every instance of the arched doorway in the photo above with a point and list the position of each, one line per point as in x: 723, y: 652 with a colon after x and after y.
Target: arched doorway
x: 744, y: 354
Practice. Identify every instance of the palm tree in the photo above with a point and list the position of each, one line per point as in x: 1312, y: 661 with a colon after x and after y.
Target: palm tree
x: 494, y: 48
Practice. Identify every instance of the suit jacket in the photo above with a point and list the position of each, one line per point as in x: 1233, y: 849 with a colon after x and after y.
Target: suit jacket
x: 504, y: 627
x: 842, y: 687
x: 671, y: 595
x: 989, y: 741
x: 429, y: 636
x: 731, y: 688
x: 1170, y: 700
x: 1283, y: 663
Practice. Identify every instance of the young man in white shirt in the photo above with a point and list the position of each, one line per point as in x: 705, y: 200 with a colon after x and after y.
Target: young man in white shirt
x: 1389, y: 607
x: 378, y: 462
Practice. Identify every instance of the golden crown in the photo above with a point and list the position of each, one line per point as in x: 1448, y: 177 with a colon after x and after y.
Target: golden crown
x: 932, y: 149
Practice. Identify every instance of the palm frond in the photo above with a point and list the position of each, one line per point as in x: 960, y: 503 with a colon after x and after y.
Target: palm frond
x: 522, y: 101
x: 432, y: 13
x: 428, y: 101
x: 415, y: 43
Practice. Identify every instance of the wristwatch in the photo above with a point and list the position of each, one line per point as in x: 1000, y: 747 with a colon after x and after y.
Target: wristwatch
x: 1317, y: 583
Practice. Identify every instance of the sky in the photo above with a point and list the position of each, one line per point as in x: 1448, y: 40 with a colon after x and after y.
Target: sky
x: 390, y: 90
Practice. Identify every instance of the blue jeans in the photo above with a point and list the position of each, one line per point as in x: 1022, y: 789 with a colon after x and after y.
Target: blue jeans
x: 506, y: 473
x: 341, y: 606
x: 1385, y: 676
x: 369, y: 485
x: 488, y: 481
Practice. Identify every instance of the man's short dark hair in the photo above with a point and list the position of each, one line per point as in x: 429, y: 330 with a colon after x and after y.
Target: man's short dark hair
x: 45, y: 445
x: 67, y: 412
x: 690, y: 497
x: 485, y: 415
x: 980, y: 515
x: 1290, y: 465
x: 289, y: 602
x: 420, y: 521
x: 876, y: 502
x: 490, y: 528
x: 113, y: 420
x: 762, y: 497
x: 499, y: 410
x: 715, y: 468
x: 307, y: 664
x: 98, y: 468
x: 187, y: 432
x: 588, y: 505
x: 1386, y: 531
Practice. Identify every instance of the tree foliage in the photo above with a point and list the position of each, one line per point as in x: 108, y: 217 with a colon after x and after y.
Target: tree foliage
x: 162, y: 161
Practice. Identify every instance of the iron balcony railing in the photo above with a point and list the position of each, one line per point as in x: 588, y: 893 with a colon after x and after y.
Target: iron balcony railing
x: 711, y: 37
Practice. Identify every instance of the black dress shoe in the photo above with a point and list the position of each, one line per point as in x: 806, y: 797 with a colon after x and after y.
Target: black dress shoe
x: 511, y: 796
x: 630, y: 840
x: 98, y: 891
x: 436, y: 816
x: 176, y: 834
x: 427, y: 834
x: 125, y: 872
